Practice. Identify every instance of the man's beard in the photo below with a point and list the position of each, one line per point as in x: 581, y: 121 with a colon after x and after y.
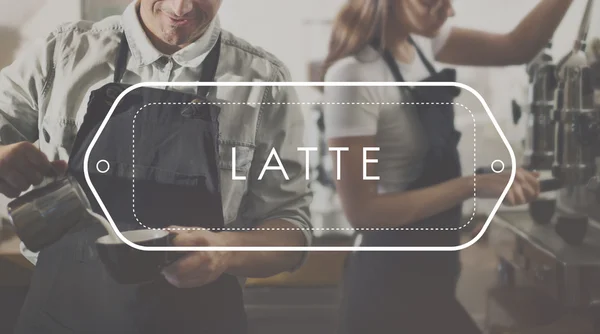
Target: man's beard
x: 176, y: 35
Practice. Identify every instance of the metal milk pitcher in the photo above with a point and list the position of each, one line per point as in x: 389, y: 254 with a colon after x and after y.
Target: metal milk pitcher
x: 43, y: 215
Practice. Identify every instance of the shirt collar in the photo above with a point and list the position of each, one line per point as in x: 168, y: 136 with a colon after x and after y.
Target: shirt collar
x: 145, y: 53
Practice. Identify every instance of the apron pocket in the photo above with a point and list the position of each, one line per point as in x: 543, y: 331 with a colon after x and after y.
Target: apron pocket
x: 186, y: 201
x: 159, y: 198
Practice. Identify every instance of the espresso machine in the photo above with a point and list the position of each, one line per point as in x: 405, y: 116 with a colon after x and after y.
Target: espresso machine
x: 577, y: 125
x: 563, y: 134
x: 549, y: 263
x: 540, y: 141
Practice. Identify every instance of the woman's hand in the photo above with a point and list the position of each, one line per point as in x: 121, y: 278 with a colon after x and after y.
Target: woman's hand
x: 525, y: 188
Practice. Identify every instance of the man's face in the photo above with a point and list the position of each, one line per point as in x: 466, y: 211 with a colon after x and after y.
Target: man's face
x: 178, y: 22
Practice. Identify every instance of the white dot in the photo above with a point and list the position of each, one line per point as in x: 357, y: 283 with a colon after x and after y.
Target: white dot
x: 102, y: 162
x: 498, y: 170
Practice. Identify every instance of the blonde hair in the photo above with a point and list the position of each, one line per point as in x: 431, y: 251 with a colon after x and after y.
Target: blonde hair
x: 358, y: 23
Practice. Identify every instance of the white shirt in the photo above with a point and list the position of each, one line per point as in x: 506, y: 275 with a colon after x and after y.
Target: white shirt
x: 397, y: 129
x: 44, y: 96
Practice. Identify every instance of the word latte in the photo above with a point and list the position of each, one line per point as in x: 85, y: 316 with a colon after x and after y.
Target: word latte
x: 273, y: 162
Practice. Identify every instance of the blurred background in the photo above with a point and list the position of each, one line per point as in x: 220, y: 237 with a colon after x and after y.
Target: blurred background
x: 297, y: 32
x: 301, y: 37
x: 300, y: 40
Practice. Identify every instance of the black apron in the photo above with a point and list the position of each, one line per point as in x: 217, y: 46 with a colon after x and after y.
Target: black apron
x: 414, y: 292
x: 176, y: 183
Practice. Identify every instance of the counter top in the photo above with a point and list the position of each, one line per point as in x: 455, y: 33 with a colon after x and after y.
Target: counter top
x: 9, y: 249
x: 15, y: 268
x: 545, y: 238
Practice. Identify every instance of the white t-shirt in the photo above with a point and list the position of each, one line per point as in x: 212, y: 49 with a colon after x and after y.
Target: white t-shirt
x: 397, y: 129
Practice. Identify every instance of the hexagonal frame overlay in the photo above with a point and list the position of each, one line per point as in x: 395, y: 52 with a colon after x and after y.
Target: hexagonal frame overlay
x: 304, y: 248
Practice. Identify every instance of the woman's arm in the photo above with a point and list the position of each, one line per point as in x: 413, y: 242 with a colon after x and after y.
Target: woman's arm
x: 478, y: 48
x: 365, y: 208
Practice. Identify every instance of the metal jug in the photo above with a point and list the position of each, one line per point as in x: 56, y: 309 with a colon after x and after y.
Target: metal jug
x: 43, y: 215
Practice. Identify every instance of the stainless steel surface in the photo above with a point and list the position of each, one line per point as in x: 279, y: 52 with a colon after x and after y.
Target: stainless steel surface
x: 576, y: 114
x: 539, y: 142
x: 561, y: 259
x: 575, y: 145
x: 584, y: 28
x: 576, y: 129
x: 569, y: 274
x: 41, y: 216
x: 577, y: 55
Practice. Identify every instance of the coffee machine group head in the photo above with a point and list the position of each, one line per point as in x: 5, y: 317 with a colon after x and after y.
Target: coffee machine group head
x: 539, y: 142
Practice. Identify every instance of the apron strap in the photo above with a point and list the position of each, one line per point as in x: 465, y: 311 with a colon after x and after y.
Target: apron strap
x: 393, y: 65
x: 209, y: 68
x: 121, y: 59
x: 424, y: 59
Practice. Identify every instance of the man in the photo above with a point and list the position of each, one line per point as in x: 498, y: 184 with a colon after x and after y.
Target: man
x: 44, y: 96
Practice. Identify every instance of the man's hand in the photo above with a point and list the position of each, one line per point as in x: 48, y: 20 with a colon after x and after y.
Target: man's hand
x: 23, y: 165
x: 197, y: 268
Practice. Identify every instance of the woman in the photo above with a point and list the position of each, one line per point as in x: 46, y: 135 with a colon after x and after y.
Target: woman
x: 420, y: 190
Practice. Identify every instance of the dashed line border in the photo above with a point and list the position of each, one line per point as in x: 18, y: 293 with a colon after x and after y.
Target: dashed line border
x: 311, y: 228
